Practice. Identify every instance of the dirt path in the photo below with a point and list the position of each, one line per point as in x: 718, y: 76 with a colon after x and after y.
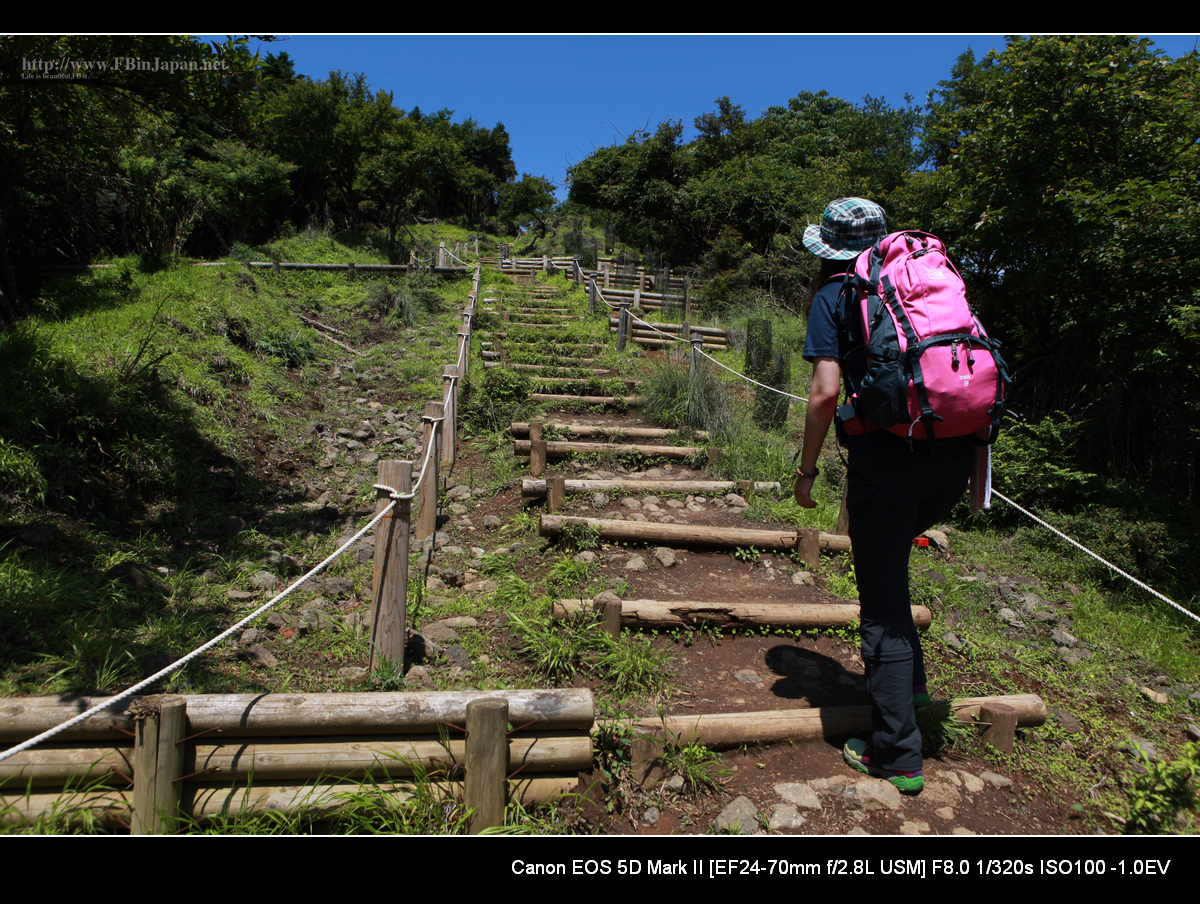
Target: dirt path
x: 788, y: 787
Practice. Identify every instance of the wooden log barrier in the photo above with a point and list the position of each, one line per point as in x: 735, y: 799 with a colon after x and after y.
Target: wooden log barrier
x: 560, y: 449
x: 735, y: 729
x: 521, y: 428
x: 686, y: 534
x: 280, y: 715
x: 667, y: 614
x: 531, y: 488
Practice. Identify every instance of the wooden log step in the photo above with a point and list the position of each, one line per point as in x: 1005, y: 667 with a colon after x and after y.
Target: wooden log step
x: 687, y: 534
x: 682, y: 613
x: 639, y: 333
x: 713, y: 331
x: 589, y: 381
x: 557, y: 449
x: 274, y: 715
x: 521, y: 428
x: 671, y: 343
x: 631, y: 401
x: 562, y: 361
x: 735, y: 729
x: 538, y: 368
x: 533, y: 487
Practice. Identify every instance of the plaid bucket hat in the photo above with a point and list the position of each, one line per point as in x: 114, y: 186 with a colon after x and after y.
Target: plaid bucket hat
x: 849, y: 226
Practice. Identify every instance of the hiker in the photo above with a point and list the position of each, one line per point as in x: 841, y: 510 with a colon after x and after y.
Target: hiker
x: 897, y: 490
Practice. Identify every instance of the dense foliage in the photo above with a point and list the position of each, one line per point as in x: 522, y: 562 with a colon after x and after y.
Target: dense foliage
x: 154, y: 145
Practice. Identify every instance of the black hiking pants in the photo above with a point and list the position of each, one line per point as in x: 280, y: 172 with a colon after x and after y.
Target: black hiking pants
x: 895, y: 494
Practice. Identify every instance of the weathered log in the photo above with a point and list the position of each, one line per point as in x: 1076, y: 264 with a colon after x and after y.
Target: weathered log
x: 735, y: 729
x: 1031, y: 711
x: 631, y: 401
x: 276, y: 715
x: 57, y: 764
x: 681, y: 613
x: 285, y: 759
x: 687, y: 534
x: 204, y: 800
x: 538, y: 368
x: 559, y: 449
x: 678, y: 328
x: 534, y: 488
x: 521, y: 428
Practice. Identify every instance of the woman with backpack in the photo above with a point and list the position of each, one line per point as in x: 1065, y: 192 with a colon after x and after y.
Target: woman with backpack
x: 896, y: 490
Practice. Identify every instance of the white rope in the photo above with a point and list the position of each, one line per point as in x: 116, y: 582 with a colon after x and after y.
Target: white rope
x: 1123, y: 574
x: 128, y: 692
x: 755, y: 382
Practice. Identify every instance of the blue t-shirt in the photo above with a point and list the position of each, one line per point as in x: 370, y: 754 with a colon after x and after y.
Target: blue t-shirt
x: 822, y: 338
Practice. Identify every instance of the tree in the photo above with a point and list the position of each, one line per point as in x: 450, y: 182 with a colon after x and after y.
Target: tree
x: 71, y: 107
x: 530, y: 199
x: 1066, y: 183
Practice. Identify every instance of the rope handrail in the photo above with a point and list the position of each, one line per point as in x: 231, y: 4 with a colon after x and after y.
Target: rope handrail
x: 1098, y: 558
x: 184, y: 660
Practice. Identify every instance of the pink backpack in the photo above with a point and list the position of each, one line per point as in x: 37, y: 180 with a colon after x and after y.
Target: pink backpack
x: 915, y: 358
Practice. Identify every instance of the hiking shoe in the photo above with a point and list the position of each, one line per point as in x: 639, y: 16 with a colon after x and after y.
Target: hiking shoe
x: 858, y: 756
x: 922, y: 699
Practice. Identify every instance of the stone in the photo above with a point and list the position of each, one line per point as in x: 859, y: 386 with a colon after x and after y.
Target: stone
x: 996, y: 780
x: 650, y: 815
x: 834, y: 784
x: 665, y: 557
x: 946, y: 813
x: 636, y: 563
x: 940, y: 793
x: 799, y: 794
x: 738, y: 818
x: 973, y: 783
x: 417, y: 676
x: 440, y: 632
x: 353, y: 673
x: 804, y: 579
x: 872, y: 794
x: 260, y: 655
x: 1155, y: 696
x: 915, y: 827
x: 938, y: 539
x: 785, y: 816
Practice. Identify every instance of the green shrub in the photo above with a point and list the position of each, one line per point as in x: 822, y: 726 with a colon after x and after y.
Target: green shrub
x: 495, y: 403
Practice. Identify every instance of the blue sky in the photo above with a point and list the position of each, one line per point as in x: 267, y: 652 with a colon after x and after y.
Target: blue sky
x: 560, y: 96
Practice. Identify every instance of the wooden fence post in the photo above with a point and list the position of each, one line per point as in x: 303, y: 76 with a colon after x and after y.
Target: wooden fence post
x: 687, y: 298
x: 464, y: 349
x: 623, y: 323
x: 427, y: 504
x: 556, y: 492
x: 697, y: 354
x: 610, y: 617
x: 685, y: 331
x: 157, y: 762
x: 537, y: 450
x: 487, y: 762
x: 441, y: 256
x: 450, y: 424
x: 389, y: 610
